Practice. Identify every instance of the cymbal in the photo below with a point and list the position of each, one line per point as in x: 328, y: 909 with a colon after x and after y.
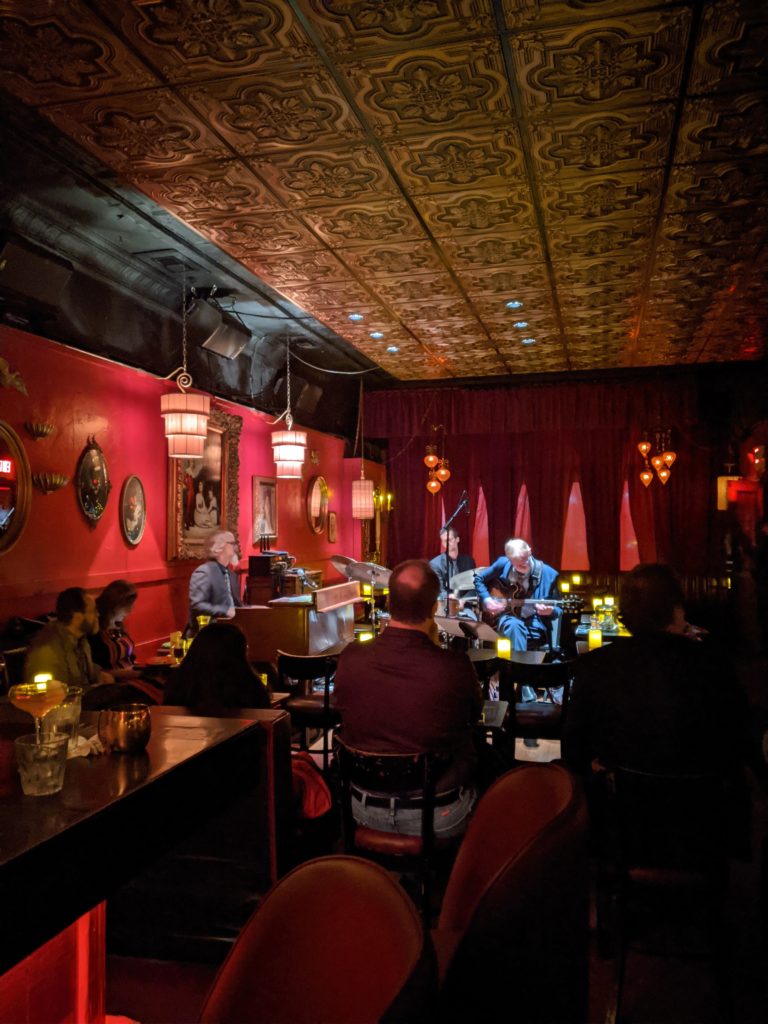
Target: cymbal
x: 363, y: 572
x: 463, y: 580
x: 340, y: 563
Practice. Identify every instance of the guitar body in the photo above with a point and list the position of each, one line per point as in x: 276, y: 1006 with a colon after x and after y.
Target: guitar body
x: 514, y: 602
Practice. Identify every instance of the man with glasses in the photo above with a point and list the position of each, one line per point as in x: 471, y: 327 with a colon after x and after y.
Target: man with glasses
x: 213, y: 587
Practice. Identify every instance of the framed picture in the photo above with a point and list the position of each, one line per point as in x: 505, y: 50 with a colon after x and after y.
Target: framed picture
x: 92, y: 482
x: 264, y: 507
x: 331, y: 527
x: 203, y: 493
x: 133, y: 510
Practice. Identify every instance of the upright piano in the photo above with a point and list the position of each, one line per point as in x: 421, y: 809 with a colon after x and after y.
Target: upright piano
x: 321, y: 622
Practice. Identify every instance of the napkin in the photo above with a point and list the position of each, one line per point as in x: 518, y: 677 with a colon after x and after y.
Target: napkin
x: 85, y: 747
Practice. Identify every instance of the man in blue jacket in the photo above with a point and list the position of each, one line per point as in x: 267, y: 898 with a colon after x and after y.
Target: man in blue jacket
x: 514, y: 591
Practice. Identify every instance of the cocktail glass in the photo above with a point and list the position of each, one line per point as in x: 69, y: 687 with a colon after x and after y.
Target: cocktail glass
x: 38, y: 698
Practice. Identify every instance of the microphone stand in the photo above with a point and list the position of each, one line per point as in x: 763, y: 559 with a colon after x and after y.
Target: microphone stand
x: 463, y: 503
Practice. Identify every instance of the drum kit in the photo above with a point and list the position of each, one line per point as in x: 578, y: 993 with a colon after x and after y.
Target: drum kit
x: 460, y: 604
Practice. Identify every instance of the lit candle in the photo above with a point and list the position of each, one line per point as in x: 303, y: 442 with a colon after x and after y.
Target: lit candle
x: 595, y: 638
x: 42, y: 677
x: 608, y: 602
x: 504, y: 648
x: 364, y: 637
x: 575, y: 579
x: 565, y: 586
x: 597, y: 602
x: 366, y: 590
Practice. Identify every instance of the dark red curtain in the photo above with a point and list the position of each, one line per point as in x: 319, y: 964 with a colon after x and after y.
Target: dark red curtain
x: 548, y: 436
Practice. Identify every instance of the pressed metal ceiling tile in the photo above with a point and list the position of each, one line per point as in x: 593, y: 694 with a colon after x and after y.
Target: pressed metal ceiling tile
x: 427, y: 161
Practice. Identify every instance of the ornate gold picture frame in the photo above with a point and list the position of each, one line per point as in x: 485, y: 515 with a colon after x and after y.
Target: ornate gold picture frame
x: 204, y: 494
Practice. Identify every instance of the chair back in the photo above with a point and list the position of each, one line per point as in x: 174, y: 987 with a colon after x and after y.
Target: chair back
x: 335, y: 940
x: 680, y: 822
x: 305, y: 668
x: 517, y: 903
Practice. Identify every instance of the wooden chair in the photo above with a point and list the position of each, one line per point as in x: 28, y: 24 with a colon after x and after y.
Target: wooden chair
x: 337, y: 940
x: 536, y: 719
x: 663, y: 860
x: 309, y: 710
x: 514, y: 926
x: 408, y: 778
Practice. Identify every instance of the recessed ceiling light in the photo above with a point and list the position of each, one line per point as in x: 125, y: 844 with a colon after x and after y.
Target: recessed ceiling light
x: 356, y: 317
x: 528, y: 341
x: 520, y: 324
x: 392, y: 348
x: 514, y: 304
x: 377, y: 334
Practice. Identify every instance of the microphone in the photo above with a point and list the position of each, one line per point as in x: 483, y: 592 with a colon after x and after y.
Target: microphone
x: 465, y: 502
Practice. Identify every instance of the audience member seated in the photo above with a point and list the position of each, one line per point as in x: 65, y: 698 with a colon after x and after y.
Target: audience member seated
x: 215, y: 674
x: 402, y: 693
x: 662, y: 701
x: 112, y: 649
x: 61, y: 648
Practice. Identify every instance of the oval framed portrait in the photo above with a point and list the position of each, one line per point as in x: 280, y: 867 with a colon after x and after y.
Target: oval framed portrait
x: 92, y: 482
x: 133, y: 510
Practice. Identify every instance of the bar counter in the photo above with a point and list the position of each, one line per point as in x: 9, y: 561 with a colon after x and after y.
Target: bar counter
x: 62, y: 855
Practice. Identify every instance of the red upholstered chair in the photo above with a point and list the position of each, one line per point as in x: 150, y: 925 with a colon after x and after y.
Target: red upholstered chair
x: 514, y: 925
x: 335, y: 940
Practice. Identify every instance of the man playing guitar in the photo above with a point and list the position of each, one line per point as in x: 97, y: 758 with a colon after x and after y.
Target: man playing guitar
x: 514, y: 592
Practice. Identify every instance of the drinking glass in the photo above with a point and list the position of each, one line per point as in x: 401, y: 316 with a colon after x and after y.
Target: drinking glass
x: 38, y: 698
x: 203, y: 621
x: 66, y: 717
x: 41, y: 763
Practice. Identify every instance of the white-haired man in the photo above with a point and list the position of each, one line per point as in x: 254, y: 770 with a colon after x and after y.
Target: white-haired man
x: 514, y: 591
x: 213, y: 587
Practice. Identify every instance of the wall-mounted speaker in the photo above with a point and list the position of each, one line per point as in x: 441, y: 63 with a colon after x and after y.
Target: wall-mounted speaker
x: 217, y: 331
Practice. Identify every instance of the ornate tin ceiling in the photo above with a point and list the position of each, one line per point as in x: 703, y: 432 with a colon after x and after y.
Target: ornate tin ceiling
x: 424, y: 162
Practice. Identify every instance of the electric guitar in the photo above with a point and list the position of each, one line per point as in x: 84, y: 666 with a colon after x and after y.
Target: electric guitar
x: 513, y: 604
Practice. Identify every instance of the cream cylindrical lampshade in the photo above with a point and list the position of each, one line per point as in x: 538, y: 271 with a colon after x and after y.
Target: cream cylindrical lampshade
x: 186, y: 423
x: 362, y: 499
x: 288, y: 449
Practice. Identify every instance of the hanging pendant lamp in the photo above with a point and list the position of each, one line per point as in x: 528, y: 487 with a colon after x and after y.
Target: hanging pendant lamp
x: 289, y: 447
x: 362, y: 489
x: 185, y: 415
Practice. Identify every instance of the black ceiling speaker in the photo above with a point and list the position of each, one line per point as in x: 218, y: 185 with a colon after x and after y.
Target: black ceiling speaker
x: 216, y: 330
x: 33, y: 273
x: 304, y: 396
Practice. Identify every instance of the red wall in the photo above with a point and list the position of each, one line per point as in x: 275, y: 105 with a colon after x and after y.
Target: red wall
x: 83, y: 395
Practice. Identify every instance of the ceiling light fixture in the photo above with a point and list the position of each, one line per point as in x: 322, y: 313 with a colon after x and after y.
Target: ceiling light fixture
x: 392, y: 349
x: 355, y: 317
x: 185, y: 415
x: 362, y: 489
x: 528, y: 341
x: 520, y: 325
x: 288, y: 446
x: 514, y: 304
x: 663, y: 459
x: 377, y: 334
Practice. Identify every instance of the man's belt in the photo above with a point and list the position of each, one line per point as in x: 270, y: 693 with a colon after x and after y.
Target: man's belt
x: 403, y: 802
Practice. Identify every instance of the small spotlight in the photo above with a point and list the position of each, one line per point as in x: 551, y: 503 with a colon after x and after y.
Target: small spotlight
x: 520, y: 324
x: 377, y: 334
x: 356, y: 317
x: 392, y: 348
x: 514, y: 304
x: 528, y: 341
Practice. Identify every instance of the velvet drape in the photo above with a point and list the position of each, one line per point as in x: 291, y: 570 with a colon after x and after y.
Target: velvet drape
x: 547, y: 436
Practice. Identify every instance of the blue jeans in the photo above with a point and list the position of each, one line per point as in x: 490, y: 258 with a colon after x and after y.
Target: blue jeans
x: 450, y: 819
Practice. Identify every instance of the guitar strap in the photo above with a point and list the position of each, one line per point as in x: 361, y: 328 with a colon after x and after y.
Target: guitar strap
x: 535, y: 574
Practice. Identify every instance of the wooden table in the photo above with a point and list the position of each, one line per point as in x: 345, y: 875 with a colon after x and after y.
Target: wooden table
x: 62, y: 855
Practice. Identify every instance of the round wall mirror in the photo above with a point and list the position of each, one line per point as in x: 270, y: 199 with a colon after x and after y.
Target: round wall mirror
x: 317, y: 504
x: 15, y: 487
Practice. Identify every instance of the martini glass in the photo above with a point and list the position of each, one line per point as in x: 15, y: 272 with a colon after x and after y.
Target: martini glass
x: 38, y: 698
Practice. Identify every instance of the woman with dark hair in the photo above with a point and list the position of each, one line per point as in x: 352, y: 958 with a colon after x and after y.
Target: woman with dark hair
x: 215, y: 674
x: 112, y: 648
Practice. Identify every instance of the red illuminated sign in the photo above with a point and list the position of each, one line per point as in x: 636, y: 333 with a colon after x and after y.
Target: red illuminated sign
x: 6, y: 466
